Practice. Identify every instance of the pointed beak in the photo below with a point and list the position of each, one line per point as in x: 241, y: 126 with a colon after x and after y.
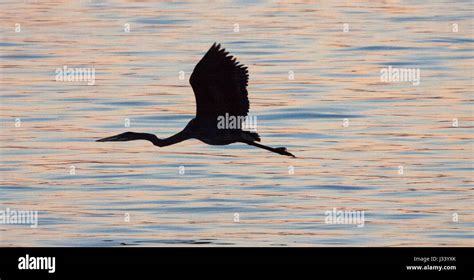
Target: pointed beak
x: 111, y: 138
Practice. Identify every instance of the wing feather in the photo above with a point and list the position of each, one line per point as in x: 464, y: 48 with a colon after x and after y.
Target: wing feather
x: 219, y: 83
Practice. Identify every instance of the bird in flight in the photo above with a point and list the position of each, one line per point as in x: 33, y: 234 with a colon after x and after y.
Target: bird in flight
x: 220, y: 84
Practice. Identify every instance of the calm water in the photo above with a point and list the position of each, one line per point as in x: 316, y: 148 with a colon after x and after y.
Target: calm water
x: 133, y: 193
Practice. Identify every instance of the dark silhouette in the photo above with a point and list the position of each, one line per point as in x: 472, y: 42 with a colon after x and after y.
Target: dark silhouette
x: 219, y: 83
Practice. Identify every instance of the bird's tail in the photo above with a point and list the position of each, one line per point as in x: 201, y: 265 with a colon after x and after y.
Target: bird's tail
x: 250, y: 136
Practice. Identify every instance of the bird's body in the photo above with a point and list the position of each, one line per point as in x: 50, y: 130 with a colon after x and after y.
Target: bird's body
x: 207, y: 131
x: 219, y: 83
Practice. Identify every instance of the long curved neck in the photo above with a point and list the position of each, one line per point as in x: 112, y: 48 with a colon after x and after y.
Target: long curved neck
x: 178, y: 137
x: 131, y: 136
x: 144, y: 136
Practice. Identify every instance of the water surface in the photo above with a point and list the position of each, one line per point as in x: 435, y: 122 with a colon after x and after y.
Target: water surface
x: 132, y: 194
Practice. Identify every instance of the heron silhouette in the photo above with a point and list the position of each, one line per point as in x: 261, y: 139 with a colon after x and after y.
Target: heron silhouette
x: 219, y: 83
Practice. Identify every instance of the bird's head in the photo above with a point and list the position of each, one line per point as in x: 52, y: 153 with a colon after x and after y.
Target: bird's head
x: 128, y: 136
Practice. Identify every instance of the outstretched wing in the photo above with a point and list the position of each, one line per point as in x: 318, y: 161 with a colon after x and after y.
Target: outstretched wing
x: 220, y: 85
